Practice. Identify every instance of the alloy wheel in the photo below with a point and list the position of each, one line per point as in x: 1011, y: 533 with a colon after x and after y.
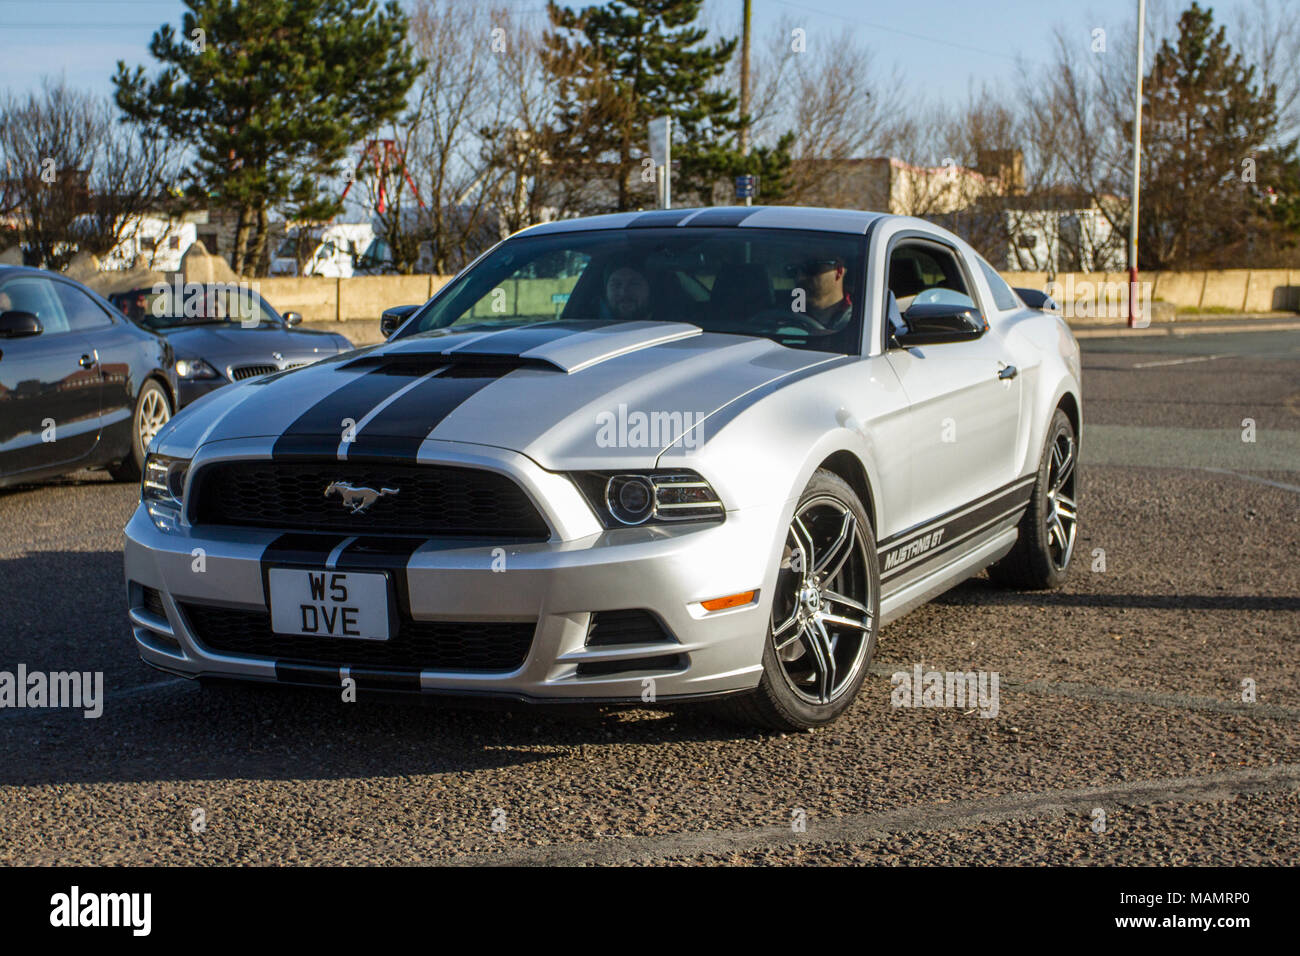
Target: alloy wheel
x: 154, y: 414
x: 1062, y: 509
x: 821, y: 619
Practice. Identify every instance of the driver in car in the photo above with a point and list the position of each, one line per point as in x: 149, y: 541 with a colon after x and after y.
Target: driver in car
x: 627, y: 293
x: 822, y: 280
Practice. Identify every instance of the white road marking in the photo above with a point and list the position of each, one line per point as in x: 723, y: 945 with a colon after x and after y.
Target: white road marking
x: 11, y: 714
x: 864, y: 827
x: 1182, y: 361
x: 1262, y: 481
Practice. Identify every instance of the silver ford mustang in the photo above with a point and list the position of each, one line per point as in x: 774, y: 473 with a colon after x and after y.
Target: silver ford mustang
x: 648, y: 456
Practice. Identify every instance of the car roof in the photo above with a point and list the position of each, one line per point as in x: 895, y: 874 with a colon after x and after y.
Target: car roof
x: 848, y: 221
x: 183, y: 285
x: 7, y: 269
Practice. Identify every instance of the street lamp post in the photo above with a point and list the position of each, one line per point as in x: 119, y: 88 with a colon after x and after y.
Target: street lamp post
x: 1137, y: 166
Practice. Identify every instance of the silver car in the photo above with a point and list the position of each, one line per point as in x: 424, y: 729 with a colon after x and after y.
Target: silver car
x: 642, y: 457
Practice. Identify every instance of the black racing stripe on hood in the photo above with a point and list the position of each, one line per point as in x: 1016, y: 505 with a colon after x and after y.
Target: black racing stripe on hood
x: 725, y: 216
x: 660, y: 217
x: 318, y: 431
x: 398, y: 431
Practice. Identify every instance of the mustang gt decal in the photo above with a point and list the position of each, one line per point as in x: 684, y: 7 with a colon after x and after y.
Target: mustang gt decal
x: 909, y: 551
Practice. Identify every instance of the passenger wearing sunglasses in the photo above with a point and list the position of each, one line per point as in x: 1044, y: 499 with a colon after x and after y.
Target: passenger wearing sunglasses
x: 826, y: 301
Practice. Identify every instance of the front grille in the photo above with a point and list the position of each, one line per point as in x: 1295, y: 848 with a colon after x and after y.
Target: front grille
x: 625, y: 627
x: 429, y: 499
x: 241, y: 372
x: 417, y: 645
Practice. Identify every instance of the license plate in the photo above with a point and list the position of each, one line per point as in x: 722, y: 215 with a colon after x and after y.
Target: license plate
x: 341, y: 604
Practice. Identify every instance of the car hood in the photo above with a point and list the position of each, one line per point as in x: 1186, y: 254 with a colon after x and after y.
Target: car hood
x: 222, y: 345
x: 568, y: 395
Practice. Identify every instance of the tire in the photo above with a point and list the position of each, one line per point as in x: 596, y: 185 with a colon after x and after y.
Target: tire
x: 1050, y: 526
x: 153, y: 409
x: 797, y: 692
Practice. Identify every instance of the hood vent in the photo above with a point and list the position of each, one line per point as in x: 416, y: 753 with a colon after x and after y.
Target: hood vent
x: 421, y: 363
x: 566, y: 347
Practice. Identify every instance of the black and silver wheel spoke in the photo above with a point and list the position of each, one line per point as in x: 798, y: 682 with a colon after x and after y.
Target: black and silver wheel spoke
x: 833, y: 558
x: 836, y: 598
x: 860, y: 624
x: 819, y: 642
x: 1062, y: 510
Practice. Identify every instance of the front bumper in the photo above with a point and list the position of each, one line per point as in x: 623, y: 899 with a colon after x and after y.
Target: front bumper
x: 558, y: 584
x: 191, y: 390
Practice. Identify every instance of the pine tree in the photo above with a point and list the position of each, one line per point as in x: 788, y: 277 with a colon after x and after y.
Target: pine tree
x: 1210, y: 163
x: 270, y: 94
x: 623, y: 64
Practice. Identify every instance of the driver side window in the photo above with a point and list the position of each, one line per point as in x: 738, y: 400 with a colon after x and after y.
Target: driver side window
x: 921, y: 274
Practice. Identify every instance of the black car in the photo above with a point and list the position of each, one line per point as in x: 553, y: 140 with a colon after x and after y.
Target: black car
x: 224, y: 333
x: 80, y: 386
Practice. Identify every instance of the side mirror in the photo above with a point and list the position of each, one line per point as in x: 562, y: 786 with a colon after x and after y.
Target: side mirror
x: 17, y: 325
x: 1037, y: 299
x: 393, y: 318
x: 292, y: 318
x: 939, y: 323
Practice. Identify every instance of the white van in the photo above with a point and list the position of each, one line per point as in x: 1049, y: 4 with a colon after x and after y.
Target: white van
x: 336, y: 251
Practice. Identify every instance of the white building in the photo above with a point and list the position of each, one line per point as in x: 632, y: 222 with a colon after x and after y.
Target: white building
x: 338, y: 251
x: 152, y: 242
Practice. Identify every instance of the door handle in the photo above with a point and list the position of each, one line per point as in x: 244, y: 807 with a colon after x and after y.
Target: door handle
x: 1008, y: 372
x: 88, y: 361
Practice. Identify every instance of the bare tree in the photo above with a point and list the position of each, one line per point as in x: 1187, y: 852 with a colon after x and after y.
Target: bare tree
x: 841, y: 105
x: 439, y: 142
x: 76, y: 178
x: 535, y: 182
x: 1078, y: 111
x: 1268, y: 33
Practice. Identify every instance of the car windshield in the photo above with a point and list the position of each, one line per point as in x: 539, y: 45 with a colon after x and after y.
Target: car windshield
x: 802, y: 289
x: 168, y: 307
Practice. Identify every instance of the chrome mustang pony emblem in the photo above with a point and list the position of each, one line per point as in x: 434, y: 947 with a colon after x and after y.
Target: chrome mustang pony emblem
x: 358, y: 499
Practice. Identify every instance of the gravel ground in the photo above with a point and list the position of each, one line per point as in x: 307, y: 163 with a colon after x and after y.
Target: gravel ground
x: 1126, y: 685
x: 1160, y: 834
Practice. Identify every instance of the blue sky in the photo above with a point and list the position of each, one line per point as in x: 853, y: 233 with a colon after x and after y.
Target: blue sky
x: 947, y: 46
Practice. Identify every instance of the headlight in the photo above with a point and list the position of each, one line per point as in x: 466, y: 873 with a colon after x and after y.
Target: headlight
x: 194, y: 368
x: 162, y: 489
x: 651, y: 497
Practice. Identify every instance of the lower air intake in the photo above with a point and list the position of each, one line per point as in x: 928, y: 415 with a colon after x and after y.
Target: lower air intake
x: 418, y: 645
